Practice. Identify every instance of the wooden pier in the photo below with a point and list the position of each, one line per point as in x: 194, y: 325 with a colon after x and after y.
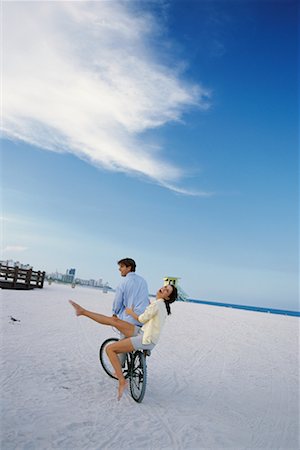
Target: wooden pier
x: 18, y: 278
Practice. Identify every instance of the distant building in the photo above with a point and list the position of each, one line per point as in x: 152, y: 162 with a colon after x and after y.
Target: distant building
x: 99, y: 283
x: 69, y: 276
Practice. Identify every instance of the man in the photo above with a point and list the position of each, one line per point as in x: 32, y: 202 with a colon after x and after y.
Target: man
x: 132, y: 292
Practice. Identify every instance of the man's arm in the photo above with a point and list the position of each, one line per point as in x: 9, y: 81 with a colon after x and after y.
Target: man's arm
x: 118, y: 301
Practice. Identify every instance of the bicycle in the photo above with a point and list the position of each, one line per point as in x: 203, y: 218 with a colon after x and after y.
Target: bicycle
x: 134, y: 368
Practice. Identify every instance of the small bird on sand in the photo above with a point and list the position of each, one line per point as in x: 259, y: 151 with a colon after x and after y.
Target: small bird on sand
x: 14, y: 320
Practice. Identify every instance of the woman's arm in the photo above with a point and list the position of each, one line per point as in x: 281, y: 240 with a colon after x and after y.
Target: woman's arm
x: 132, y: 313
x: 149, y: 312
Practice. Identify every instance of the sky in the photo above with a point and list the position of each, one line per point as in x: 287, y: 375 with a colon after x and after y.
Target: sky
x: 164, y: 131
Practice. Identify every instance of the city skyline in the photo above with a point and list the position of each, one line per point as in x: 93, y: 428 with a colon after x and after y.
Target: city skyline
x: 164, y: 132
x: 67, y: 276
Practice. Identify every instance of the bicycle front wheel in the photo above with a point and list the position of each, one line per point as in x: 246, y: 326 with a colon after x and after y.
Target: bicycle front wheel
x: 138, y: 376
x: 105, y: 362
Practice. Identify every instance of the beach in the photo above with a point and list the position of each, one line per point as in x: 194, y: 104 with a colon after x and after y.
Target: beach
x: 218, y: 378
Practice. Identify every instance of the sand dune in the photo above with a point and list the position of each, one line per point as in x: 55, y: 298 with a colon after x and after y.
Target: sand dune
x: 219, y: 378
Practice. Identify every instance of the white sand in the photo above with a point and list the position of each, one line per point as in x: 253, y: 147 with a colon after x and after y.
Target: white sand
x: 219, y: 378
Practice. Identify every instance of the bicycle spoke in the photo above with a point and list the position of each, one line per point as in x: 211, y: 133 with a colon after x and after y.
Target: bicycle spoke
x: 135, y: 369
x: 105, y: 362
x: 138, y: 377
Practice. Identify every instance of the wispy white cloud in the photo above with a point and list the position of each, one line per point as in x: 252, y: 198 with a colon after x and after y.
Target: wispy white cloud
x: 83, y: 77
x: 180, y: 190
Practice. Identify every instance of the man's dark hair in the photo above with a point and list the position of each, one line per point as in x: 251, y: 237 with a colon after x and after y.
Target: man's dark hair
x: 128, y: 262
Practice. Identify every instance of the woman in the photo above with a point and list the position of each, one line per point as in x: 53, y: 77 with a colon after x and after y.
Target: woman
x: 144, y: 338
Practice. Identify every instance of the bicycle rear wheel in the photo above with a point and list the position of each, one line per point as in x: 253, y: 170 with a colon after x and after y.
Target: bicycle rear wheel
x: 105, y: 362
x: 138, y: 376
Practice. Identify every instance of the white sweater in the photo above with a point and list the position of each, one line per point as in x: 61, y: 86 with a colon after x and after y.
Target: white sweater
x: 153, y: 319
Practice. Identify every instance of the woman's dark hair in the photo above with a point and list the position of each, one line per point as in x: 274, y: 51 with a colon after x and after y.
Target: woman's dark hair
x: 172, y: 298
x: 128, y: 262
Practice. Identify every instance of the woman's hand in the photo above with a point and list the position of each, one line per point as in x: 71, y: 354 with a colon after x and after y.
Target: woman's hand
x: 132, y: 313
x: 129, y: 311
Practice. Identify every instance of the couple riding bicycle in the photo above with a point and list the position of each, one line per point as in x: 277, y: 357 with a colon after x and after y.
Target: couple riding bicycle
x: 138, y: 322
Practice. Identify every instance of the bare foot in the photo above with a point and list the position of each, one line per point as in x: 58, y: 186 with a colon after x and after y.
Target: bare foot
x: 122, y: 386
x: 78, y: 309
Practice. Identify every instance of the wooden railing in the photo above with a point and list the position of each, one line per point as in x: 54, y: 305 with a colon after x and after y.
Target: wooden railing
x: 18, y: 278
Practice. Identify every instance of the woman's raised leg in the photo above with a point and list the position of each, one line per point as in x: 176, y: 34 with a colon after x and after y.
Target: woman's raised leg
x: 124, y: 327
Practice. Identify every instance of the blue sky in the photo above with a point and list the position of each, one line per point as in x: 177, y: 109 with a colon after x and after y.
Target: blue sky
x: 162, y: 131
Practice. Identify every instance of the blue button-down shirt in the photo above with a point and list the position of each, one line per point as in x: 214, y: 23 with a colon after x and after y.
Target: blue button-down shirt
x: 132, y: 292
